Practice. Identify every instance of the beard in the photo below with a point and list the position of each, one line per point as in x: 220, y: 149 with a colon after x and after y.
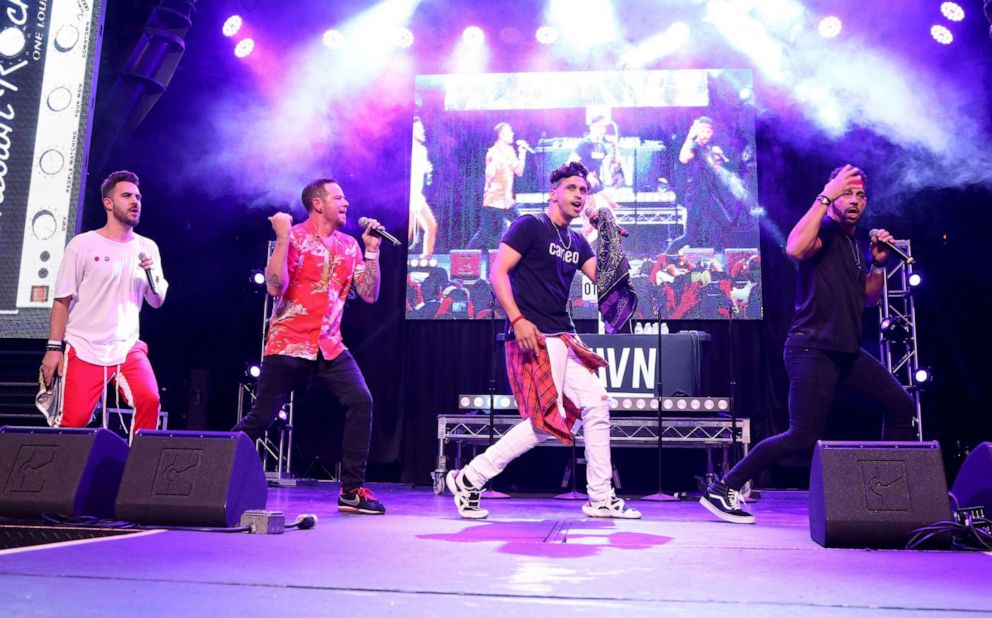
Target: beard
x: 124, y: 217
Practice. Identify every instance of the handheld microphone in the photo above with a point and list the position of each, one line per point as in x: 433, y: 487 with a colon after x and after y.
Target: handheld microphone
x: 873, y: 234
x: 379, y: 231
x: 149, y: 275
x: 523, y: 144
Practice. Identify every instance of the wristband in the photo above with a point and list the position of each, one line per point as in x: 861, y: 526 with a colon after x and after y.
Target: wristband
x: 371, y: 255
x: 516, y: 319
x: 878, y: 270
x: 823, y: 199
x: 55, y: 346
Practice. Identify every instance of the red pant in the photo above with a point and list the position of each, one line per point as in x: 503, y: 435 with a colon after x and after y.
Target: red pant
x: 85, y: 382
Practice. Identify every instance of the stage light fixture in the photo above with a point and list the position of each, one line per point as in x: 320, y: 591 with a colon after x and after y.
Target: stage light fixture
x: 942, y: 35
x: 830, y: 27
x: 546, y: 35
x: 894, y: 329
x: 474, y: 35
x: 253, y: 370
x: 244, y: 48
x: 232, y: 25
x: 915, y: 280
x: 404, y: 38
x: 258, y: 277
x: 333, y: 39
x: 283, y: 416
x: 952, y: 11
x: 922, y: 376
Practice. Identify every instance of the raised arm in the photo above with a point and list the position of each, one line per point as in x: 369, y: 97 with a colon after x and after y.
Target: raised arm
x: 277, y: 268
x: 804, y: 240
x: 367, y: 280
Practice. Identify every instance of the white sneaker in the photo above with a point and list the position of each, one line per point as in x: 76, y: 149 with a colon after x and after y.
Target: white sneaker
x: 466, y: 497
x: 610, y: 507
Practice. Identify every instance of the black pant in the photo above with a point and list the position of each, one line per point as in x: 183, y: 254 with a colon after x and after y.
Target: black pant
x: 281, y: 375
x: 814, y: 377
x: 491, y: 226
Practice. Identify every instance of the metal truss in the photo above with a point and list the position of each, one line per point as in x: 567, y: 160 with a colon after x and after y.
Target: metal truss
x: 631, y: 432
x: 902, y: 358
x: 275, y: 446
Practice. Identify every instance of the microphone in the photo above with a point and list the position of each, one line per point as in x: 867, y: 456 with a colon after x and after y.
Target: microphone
x: 379, y: 231
x: 523, y: 144
x: 149, y: 275
x: 873, y: 234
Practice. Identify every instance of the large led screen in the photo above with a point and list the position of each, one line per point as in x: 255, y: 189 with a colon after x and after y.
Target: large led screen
x: 672, y: 154
x: 48, y: 55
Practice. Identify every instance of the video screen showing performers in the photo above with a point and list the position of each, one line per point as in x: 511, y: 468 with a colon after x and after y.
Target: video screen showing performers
x: 671, y: 153
x: 48, y: 55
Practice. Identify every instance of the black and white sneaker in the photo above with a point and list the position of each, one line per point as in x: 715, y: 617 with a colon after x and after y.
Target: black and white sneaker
x: 360, y: 500
x: 726, y: 503
x: 466, y: 496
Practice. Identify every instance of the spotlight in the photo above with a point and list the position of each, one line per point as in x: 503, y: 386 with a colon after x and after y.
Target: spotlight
x: 282, y: 416
x: 253, y: 370
x: 894, y: 329
x: 474, y: 35
x: 915, y: 280
x: 333, y: 39
x: 404, y: 38
x: 258, y: 277
x: 546, y: 35
x: 244, y: 48
x: 233, y: 24
x: 830, y: 27
x: 952, y: 11
x: 922, y: 376
x: 942, y: 35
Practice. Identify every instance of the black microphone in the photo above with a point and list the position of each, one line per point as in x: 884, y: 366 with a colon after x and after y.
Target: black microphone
x: 148, y: 274
x: 873, y: 234
x: 379, y: 231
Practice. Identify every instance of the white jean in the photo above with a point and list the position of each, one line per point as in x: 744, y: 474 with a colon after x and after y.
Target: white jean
x: 573, y: 380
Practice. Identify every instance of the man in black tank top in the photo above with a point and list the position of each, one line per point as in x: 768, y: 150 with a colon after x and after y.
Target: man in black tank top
x: 822, y: 351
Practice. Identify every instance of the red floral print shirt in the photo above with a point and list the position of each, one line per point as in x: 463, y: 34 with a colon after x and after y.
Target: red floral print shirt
x: 307, y: 318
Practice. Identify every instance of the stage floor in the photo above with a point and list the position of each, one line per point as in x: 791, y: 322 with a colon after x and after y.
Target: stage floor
x: 533, y: 557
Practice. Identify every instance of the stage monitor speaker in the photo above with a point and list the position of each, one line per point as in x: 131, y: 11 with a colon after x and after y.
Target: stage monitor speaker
x: 71, y: 472
x: 973, y: 485
x: 874, y: 494
x: 191, y: 478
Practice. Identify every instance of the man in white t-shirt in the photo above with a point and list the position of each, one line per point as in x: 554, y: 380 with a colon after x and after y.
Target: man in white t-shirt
x: 93, y: 336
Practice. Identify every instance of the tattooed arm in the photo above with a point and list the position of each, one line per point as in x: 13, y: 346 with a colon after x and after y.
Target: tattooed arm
x: 277, y: 270
x: 367, y: 279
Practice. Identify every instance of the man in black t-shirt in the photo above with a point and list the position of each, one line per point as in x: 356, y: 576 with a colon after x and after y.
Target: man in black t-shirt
x: 553, y: 375
x: 822, y: 352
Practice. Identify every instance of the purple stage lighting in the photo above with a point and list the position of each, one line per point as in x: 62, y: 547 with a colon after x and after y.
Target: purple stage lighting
x: 830, y: 27
x: 546, y: 35
x: 474, y: 35
x: 915, y: 280
x: 922, y: 376
x: 232, y: 25
x: 253, y: 370
x: 952, y: 11
x: 283, y: 416
x: 258, y: 277
x: 942, y: 35
x: 333, y: 39
x: 244, y: 48
x: 404, y: 38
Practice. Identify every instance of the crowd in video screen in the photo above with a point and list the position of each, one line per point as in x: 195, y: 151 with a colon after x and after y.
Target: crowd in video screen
x: 671, y: 153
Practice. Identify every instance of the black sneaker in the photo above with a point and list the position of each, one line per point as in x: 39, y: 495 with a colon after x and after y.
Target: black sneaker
x: 360, y: 500
x: 466, y: 496
x: 725, y: 503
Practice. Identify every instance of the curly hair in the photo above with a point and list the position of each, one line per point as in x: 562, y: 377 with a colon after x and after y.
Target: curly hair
x: 108, y: 184
x: 566, y: 171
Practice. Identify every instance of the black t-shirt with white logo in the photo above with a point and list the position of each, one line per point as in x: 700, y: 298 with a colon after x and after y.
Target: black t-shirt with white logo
x: 830, y: 294
x: 541, y: 280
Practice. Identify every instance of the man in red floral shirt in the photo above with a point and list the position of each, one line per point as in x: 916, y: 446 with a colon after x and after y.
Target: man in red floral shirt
x: 310, y: 272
